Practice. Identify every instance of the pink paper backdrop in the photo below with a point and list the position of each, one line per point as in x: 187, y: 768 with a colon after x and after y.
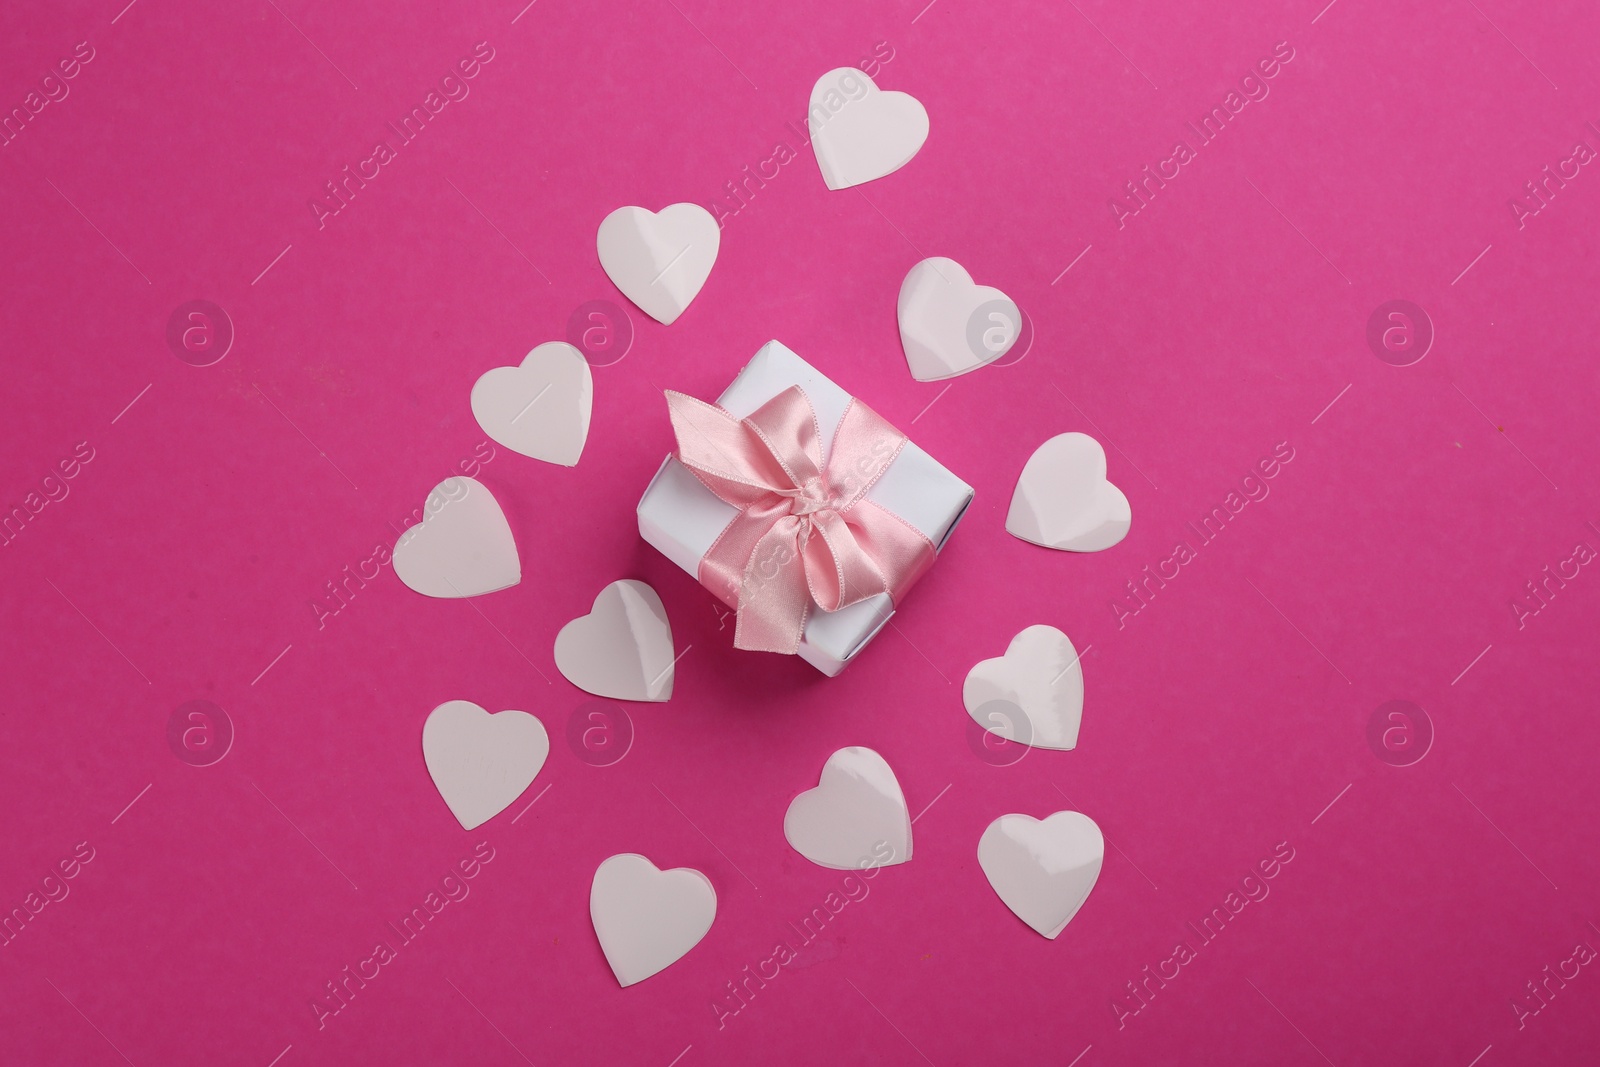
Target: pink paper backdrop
x: 1223, y: 718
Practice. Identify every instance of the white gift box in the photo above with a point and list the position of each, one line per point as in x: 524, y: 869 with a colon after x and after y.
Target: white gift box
x: 683, y: 519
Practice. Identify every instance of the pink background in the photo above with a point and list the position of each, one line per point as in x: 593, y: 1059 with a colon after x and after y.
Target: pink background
x: 1220, y: 720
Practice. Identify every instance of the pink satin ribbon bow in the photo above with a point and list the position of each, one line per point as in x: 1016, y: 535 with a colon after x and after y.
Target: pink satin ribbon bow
x: 804, y: 534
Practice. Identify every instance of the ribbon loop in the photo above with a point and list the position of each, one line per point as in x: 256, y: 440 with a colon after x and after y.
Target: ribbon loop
x: 805, y: 533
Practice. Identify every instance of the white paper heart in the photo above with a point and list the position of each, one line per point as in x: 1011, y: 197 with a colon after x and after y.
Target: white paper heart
x: 647, y: 919
x: 949, y: 325
x: 540, y: 408
x: 481, y: 762
x: 1043, y: 870
x: 858, y: 131
x: 659, y: 261
x: 856, y: 817
x: 463, y: 545
x: 623, y: 648
x: 1063, y: 499
x: 1039, y: 677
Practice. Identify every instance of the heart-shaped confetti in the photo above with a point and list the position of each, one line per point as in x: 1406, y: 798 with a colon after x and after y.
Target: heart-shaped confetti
x: 1043, y: 869
x: 859, y: 132
x: 481, y: 762
x: 623, y: 648
x: 950, y: 325
x: 541, y: 407
x: 661, y: 260
x: 647, y: 919
x: 463, y: 545
x: 855, y: 818
x: 1033, y: 694
x: 1064, y: 501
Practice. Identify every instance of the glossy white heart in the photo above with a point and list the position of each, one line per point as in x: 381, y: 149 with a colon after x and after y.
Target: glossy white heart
x: 481, y: 762
x: 659, y: 261
x: 463, y: 545
x: 858, y: 131
x: 540, y: 408
x: 647, y: 918
x: 856, y: 818
x: 1033, y: 694
x: 1043, y: 869
x: 1064, y: 501
x: 622, y: 648
x: 949, y: 325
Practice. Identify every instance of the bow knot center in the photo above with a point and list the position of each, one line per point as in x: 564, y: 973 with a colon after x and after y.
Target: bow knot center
x: 814, y: 496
